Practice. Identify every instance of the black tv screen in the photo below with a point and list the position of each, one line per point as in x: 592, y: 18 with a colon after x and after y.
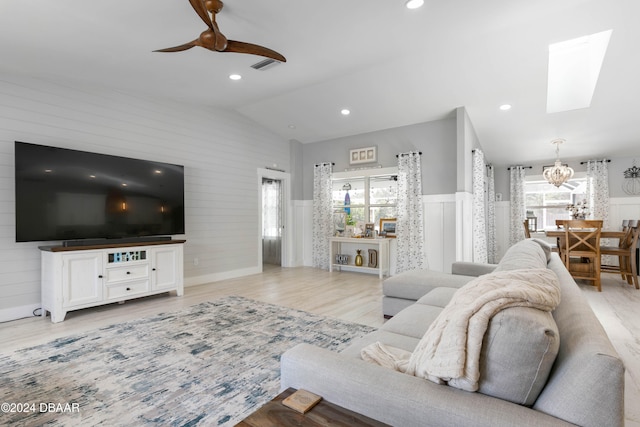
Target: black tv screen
x: 64, y: 194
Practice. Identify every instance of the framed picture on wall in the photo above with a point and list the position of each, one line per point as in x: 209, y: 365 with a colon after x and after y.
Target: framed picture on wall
x: 363, y: 155
x: 388, y: 227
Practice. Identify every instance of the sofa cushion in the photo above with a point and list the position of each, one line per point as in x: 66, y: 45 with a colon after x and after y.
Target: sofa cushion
x: 524, y: 254
x: 415, y: 283
x: 518, y: 352
x: 413, y: 321
x: 392, y: 305
x: 439, y: 297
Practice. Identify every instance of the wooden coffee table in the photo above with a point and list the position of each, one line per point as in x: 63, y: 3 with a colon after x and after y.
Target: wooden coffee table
x: 275, y: 414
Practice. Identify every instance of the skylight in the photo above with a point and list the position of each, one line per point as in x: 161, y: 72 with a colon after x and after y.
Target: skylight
x: 574, y: 67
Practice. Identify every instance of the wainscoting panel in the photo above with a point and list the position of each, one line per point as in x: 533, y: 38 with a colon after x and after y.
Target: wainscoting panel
x: 440, y: 231
x: 623, y: 208
x: 502, y: 227
x: 302, y: 233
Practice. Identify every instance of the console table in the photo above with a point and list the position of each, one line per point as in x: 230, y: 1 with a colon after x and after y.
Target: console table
x: 76, y: 277
x: 382, y: 245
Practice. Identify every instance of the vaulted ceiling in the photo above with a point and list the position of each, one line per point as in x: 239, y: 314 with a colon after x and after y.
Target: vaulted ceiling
x: 389, y: 65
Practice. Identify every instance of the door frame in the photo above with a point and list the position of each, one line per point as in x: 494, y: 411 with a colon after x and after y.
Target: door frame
x: 286, y: 249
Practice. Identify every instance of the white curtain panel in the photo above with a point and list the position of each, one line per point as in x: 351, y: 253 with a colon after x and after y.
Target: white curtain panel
x: 410, y: 227
x: 518, y: 210
x: 598, y: 199
x: 492, y: 243
x: 598, y: 190
x: 479, y: 208
x: 322, y: 215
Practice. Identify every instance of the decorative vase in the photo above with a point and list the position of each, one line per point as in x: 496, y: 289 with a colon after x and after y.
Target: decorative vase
x: 373, y: 258
x: 358, y: 258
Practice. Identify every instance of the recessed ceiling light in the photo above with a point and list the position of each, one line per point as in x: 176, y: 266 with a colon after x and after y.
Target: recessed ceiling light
x: 235, y: 76
x: 505, y: 107
x: 345, y: 112
x: 414, y: 4
x: 292, y: 126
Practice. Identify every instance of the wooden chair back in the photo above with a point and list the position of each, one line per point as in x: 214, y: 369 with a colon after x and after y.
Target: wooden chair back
x: 582, y: 235
x: 628, y: 226
x: 581, y: 251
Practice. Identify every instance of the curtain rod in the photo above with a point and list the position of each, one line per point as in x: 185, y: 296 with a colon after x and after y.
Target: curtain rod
x: 523, y: 167
x: 605, y: 160
x: 324, y: 164
x: 406, y: 154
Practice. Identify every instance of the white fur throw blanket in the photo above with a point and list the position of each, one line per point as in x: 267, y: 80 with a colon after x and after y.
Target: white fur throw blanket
x: 449, y: 352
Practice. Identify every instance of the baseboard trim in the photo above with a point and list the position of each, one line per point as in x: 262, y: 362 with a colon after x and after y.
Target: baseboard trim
x: 15, y: 313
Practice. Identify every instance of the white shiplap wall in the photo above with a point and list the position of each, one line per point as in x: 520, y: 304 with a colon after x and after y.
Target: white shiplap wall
x: 221, y: 152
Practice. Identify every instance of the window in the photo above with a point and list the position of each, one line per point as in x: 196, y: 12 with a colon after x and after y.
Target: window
x: 547, y: 202
x: 372, y: 194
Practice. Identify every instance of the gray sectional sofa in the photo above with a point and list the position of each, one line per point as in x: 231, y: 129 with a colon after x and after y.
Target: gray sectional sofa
x: 537, y: 368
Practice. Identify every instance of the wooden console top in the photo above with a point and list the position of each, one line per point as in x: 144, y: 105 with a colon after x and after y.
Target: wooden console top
x: 61, y: 248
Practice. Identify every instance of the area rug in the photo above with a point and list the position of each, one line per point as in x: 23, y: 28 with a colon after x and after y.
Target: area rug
x: 210, y: 364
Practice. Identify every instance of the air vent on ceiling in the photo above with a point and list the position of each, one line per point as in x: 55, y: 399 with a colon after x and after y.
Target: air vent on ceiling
x: 263, y: 65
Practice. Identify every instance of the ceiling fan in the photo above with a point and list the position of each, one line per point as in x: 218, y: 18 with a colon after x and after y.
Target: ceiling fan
x: 214, y: 40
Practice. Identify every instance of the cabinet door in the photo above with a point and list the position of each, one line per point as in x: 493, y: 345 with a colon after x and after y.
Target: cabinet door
x: 164, y: 265
x: 82, y: 278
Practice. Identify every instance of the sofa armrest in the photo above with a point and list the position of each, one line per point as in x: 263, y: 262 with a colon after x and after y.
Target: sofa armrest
x: 396, y: 398
x: 472, y: 268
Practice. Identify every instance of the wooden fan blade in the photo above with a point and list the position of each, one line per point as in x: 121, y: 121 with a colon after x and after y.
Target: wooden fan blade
x: 198, y: 6
x: 253, y: 49
x: 179, y: 48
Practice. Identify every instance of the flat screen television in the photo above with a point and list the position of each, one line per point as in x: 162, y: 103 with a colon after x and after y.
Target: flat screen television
x: 67, y: 195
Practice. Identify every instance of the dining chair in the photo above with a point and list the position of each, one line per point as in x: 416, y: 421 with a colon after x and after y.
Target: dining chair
x: 527, y: 232
x: 626, y: 253
x: 581, y: 249
x: 625, y: 224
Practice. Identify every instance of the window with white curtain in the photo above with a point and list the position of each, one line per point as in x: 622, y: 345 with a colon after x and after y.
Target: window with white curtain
x: 548, y: 202
x: 373, y: 194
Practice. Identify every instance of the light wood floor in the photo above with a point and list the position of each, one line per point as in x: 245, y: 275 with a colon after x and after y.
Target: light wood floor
x: 349, y: 296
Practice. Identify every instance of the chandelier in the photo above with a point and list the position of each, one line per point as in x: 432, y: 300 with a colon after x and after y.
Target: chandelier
x: 559, y: 173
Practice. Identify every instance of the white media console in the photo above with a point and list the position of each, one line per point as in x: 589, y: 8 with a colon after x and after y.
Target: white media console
x: 78, y: 277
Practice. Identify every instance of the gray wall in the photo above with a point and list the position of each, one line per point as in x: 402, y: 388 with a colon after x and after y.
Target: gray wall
x: 436, y: 140
x: 467, y: 141
x: 221, y: 152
